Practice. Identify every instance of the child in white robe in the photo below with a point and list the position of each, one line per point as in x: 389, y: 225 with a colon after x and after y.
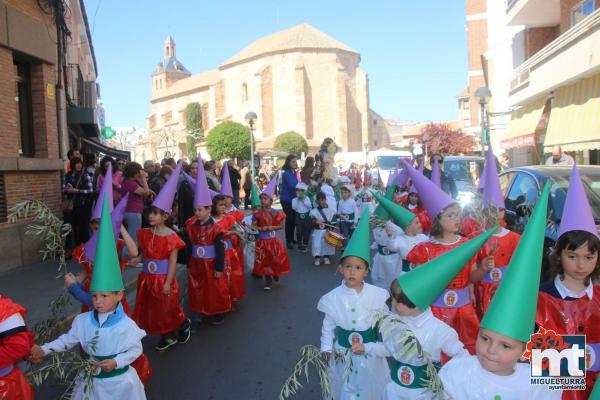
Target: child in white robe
x: 320, y: 216
x: 386, y: 261
x: 108, y: 337
x: 349, y: 318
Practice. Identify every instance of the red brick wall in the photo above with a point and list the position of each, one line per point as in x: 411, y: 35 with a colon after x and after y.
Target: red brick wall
x: 29, y: 8
x: 538, y: 38
x: 565, y: 13
x: 44, y: 111
x: 476, y: 42
x: 9, y: 133
x: 44, y: 186
x: 476, y: 6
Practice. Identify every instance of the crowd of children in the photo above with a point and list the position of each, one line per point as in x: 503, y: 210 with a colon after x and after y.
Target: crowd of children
x: 468, y: 290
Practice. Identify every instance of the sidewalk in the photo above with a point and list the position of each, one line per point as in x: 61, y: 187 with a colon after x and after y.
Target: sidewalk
x: 35, y: 286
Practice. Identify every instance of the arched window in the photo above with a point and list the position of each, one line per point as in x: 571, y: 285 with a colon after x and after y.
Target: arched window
x: 244, y: 92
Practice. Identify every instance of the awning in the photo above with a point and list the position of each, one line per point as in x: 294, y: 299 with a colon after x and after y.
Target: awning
x: 524, y: 122
x: 109, y: 151
x: 575, y: 118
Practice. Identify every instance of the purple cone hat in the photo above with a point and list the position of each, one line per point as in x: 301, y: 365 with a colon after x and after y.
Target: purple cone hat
x: 192, y: 182
x: 436, y: 177
x: 202, y: 197
x: 116, y: 217
x: 226, y: 183
x: 434, y: 198
x: 492, y: 193
x: 577, y: 213
x: 402, y: 179
x: 270, y: 189
x: 164, y: 198
x: 107, y: 190
x: 391, y: 178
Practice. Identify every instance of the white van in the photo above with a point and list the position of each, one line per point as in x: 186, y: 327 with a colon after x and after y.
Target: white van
x: 387, y: 161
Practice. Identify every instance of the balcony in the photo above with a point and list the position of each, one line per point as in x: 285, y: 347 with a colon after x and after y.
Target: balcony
x: 573, y: 55
x: 534, y: 13
x: 82, y: 115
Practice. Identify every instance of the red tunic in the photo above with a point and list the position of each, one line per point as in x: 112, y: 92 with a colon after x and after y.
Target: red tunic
x: 468, y: 225
x: 78, y: 255
x: 463, y: 319
x: 271, y: 258
x: 237, y: 282
x: 506, y: 243
x: 207, y: 295
x: 154, y: 312
x: 421, y: 213
x: 573, y: 317
x: 13, y: 348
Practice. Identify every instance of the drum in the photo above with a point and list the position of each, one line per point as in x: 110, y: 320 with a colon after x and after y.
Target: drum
x: 334, y: 239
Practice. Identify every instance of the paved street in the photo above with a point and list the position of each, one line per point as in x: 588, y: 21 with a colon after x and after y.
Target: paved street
x: 250, y: 355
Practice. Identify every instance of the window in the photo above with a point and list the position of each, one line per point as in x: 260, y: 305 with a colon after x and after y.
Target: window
x: 582, y: 10
x: 523, y: 191
x: 23, y: 79
x: 244, y: 92
x: 466, y: 104
x: 374, y: 122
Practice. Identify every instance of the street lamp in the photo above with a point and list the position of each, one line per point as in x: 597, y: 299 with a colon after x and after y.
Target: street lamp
x: 251, y: 118
x: 483, y: 94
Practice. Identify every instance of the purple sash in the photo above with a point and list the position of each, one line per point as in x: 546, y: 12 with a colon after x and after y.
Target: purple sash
x: 156, y: 267
x: 452, y: 298
x: 495, y: 275
x: 592, y: 356
x: 6, y: 370
x: 228, y: 244
x: 203, y: 252
x: 267, y: 235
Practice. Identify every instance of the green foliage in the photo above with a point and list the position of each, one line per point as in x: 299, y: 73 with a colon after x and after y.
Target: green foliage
x: 291, y: 142
x: 193, y: 127
x: 229, y: 140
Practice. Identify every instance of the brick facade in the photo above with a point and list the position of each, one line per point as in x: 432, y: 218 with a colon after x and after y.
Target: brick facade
x: 37, y: 177
x: 538, y: 38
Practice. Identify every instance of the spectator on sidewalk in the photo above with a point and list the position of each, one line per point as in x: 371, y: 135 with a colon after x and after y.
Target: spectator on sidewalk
x: 211, y: 176
x: 559, y: 158
x: 117, y: 178
x: 77, y: 185
x: 150, y: 168
x: 287, y: 194
x: 246, y: 183
x: 136, y: 184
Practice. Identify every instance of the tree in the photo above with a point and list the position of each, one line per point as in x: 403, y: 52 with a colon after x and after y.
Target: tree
x: 193, y: 128
x: 442, y: 139
x: 291, y: 142
x: 229, y: 140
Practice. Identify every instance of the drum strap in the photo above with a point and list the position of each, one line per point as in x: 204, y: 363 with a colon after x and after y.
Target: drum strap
x: 320, y: 210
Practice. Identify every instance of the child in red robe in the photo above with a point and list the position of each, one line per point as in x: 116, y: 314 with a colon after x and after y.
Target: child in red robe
x: 16, y: 342
x: 271, y: 260
x: 414, y: 204
x: 570, y: 303
x: 233, y: 269
x: 209, y: 295
x: 157, y: 308
x: 492, y: 259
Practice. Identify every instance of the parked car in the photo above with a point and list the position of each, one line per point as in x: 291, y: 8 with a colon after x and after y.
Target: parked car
x: 522, y: 186
x: 465, y: 170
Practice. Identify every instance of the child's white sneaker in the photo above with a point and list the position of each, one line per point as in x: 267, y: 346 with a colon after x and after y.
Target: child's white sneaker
x: 327, y: 261
x: 317, y: 261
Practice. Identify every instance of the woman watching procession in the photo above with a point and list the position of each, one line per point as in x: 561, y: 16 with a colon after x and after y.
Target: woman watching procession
x: 420, y: 313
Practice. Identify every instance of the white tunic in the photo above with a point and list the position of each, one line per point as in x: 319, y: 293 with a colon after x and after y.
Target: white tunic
x: 348, y: 207
x: 122, y: 338
x: 403, y: 244
x: 249, y: 248
x: 434, y: 336
x: 388, y: 267
x: 318, y: 245
x: 366, y: 205
x: 301, y: 206
x: 330, y: 194
x: 348, y: 309
x: 465, y: 378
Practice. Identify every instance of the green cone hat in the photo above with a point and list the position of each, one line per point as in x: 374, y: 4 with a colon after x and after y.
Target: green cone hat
x: 389, y: 194
x: 425, y: 283
x: 401, y: 215
x: 254, y: 197
x: 512, y: 310
x: 360, y: 242
x: 595, y: 395
x: 107, y: 271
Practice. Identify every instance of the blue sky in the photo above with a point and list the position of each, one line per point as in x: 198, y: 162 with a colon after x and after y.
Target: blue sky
x: 414, y: 51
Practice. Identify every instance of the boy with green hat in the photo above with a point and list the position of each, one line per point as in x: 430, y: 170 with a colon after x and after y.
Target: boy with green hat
x: 349, y: 317
x: 412, y: 294
x: 493, y: 373
x: 109, y: 338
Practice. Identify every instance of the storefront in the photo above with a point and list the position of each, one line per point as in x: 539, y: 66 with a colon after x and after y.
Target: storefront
x: 524, y: 137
